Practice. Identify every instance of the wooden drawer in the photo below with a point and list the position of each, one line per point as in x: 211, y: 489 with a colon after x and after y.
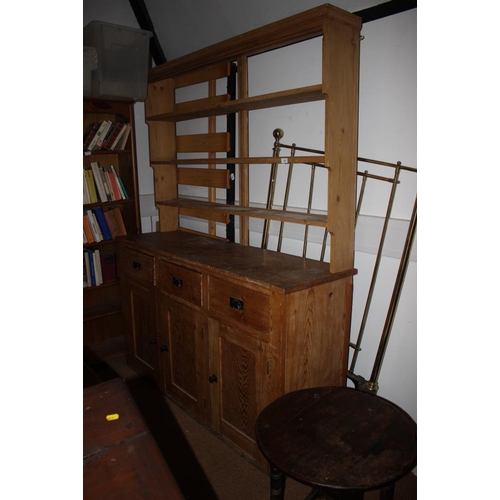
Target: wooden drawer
x: 179, y: 281
x: 241, y: 304
x: 138, y: 265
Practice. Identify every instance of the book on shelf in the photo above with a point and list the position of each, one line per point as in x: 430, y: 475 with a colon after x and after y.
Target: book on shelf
x: 114, y: 136
x: 90, y: 134
x: 99, y: 267
x: 86, y: 269
x: 103, y: 184
x: 108, y: 266
x: 89, y: 261
x: 89, y: 177
x: 87, y: 230
x: 94, y: 143
x: 85, y: 278
x: 86, y: 193
x: 115, y: 222
x: 101, y: 220
x: 121, y: 186
x: 98, y: 181
x: 113, y: 182
x: 106, y: 135
x: 122, y: 142
x: 96, y: 256
x: 94, y: 226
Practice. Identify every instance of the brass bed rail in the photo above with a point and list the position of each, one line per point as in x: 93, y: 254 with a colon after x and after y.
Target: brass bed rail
x: 366, y: 178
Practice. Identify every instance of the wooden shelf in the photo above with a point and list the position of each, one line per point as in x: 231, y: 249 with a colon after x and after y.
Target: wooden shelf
x: 102, y: 310
x: 106, y: 152
x: 109, y: 203
x: 220, y: 212
x: 212, y: 107
x: 255, y: 160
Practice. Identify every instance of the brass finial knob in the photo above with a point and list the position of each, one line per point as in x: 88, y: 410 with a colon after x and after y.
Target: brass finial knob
x: 278, y: 134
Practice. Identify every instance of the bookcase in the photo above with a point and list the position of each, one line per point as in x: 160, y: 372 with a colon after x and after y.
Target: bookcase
x: 102, y: 305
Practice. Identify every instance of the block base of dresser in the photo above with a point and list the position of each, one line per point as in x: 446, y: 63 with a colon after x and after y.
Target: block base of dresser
x: 225, y: 329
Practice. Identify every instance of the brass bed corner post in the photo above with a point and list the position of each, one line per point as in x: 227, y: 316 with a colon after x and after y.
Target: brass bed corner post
x: 278, y: 135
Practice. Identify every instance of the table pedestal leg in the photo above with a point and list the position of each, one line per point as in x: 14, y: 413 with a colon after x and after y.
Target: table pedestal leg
x: 387, y: 493
x: 350, y: 495
x: 315, y: 493
x: 278, y: 480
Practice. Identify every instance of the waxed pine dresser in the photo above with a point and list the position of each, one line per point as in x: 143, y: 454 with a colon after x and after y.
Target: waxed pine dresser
x: 225, y: 328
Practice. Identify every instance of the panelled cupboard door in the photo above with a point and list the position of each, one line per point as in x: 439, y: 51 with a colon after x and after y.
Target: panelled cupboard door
x: 183, y: 355
x: 241, y: 380
x: 142, y: 332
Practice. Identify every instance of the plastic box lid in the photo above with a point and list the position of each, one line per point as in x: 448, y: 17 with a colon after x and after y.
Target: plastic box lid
x: 122, y: 60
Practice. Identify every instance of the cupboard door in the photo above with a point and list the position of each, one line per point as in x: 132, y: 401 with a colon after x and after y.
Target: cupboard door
x: 142, y: 345
x: 183, y: 356
x: 241, y: 383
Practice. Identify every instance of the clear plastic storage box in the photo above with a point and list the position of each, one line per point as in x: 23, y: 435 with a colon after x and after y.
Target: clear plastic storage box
x: 122, y: 63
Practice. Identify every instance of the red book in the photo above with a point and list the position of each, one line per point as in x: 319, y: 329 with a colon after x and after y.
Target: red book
x: 114, y: 183
x: 108, y: 266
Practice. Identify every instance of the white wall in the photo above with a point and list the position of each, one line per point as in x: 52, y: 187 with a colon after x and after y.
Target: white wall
x: 387, y: 131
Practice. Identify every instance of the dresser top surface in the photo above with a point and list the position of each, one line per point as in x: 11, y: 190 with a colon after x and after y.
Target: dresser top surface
x: 278, y: 270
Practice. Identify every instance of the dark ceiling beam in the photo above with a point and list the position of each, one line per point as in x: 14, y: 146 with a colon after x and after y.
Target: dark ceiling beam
x: 145, y: 23
x: 386, y: 9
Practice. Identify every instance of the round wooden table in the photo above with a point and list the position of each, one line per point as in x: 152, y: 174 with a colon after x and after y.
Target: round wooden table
x: 339, y: 440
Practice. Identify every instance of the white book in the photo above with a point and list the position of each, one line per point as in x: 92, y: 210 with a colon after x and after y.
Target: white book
x: 106, y: 185
x: 95, y: 140
x: 118, y: 137
x: 104, y: 133
x: 123, y: 139
x: 97, y: 267
x: 94, y: 226
x: 98, y: 181
x: 108, y: 182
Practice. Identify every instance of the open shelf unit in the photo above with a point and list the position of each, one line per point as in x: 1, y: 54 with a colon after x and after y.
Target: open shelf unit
x: 338, y: 89
x: 102, y: 305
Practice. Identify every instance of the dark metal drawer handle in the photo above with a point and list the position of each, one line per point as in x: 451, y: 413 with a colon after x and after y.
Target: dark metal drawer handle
x: 212, y: 379
x: 136, y: 265
x: 236, y: 303
x: 177, y: 282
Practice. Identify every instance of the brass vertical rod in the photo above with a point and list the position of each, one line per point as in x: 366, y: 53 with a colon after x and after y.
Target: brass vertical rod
x: 360, y: 197
x: 375, y: 270
x: 285, y: 200
x: 396, y: 294
x: 309, y: 205
x: 278, y: 134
